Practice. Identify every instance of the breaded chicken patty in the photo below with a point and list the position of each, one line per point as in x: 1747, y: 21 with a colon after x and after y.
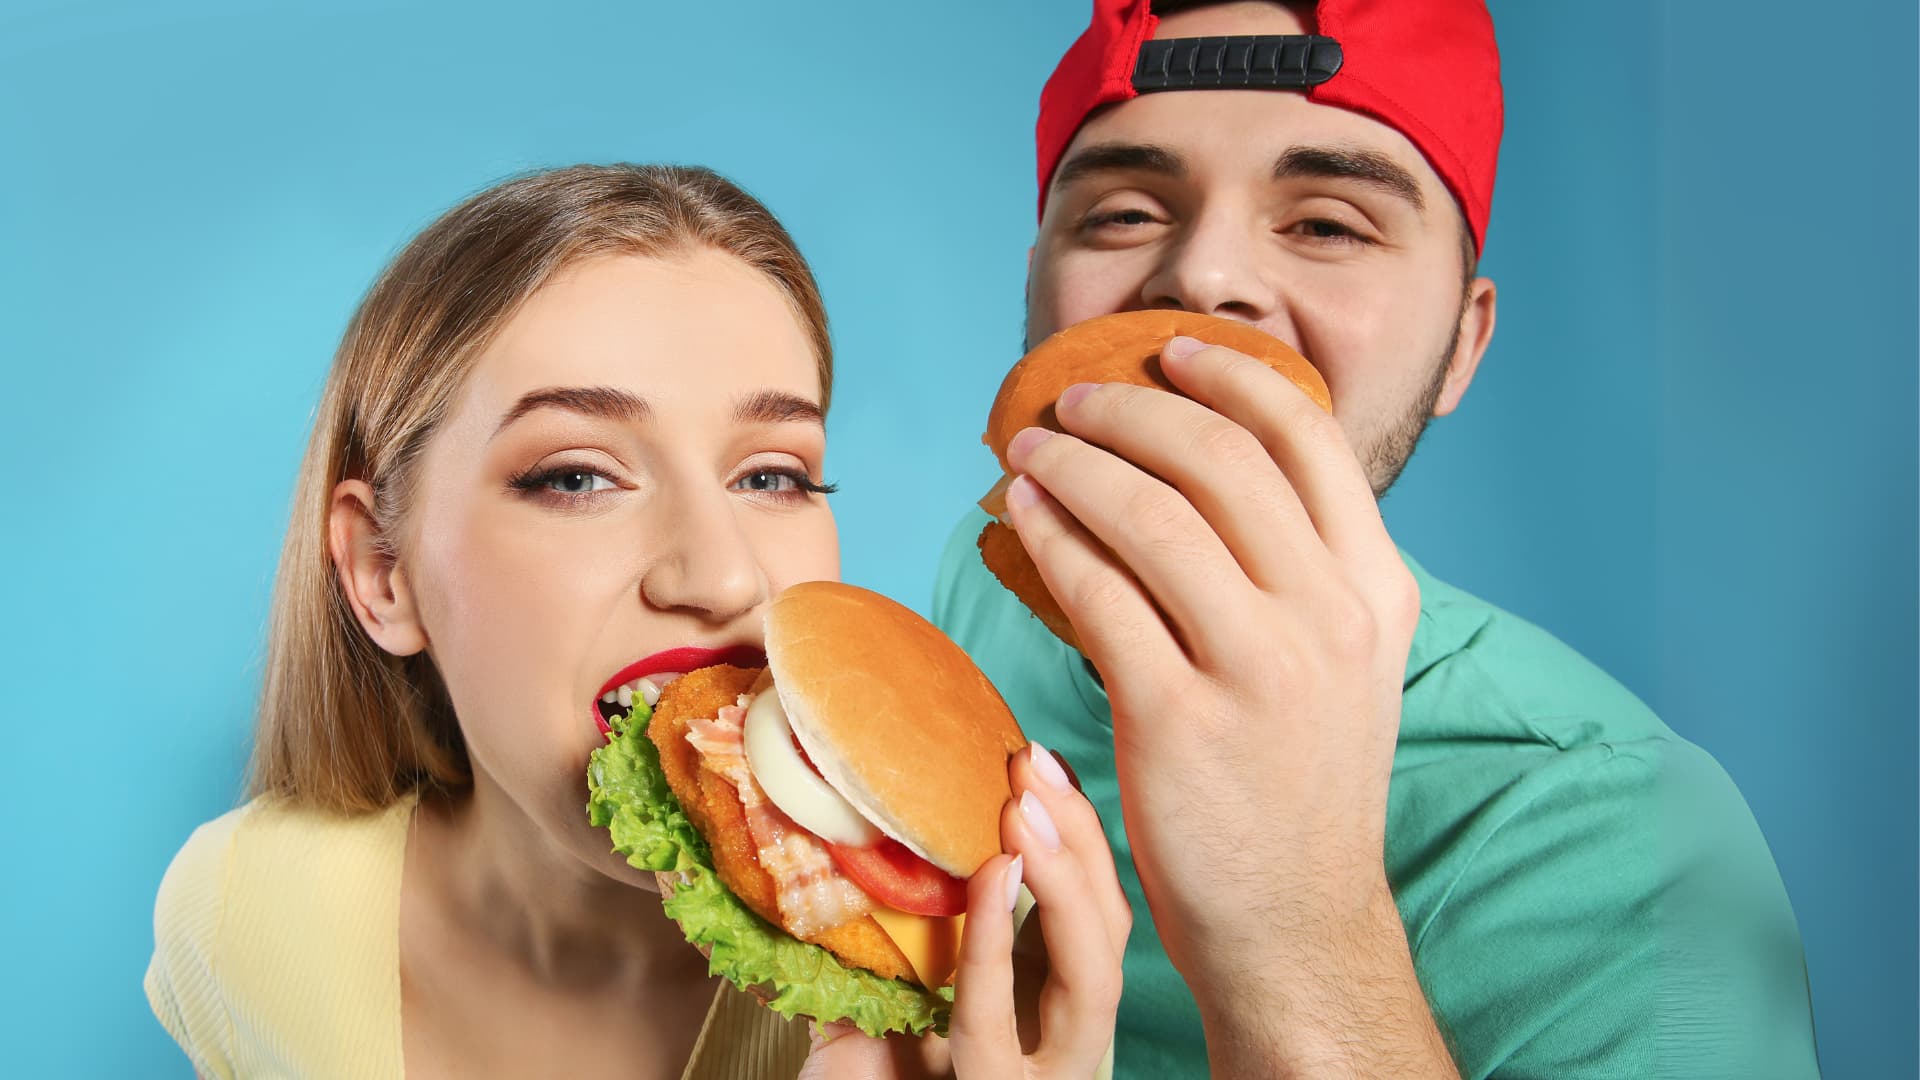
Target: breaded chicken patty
x: 715, y: 809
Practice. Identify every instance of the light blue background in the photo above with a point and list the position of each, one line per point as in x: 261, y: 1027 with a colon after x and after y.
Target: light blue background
x: 1690, y: 452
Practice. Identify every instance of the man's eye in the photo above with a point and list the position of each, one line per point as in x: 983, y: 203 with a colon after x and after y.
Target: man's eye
x: 1331, y: 231
x: 1119, y: 217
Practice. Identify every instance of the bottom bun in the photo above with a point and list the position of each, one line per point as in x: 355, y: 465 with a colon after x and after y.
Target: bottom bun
x: 1002, y: 552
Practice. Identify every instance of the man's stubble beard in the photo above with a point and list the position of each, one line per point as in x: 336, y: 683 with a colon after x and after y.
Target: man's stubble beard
x: 1386, y: 456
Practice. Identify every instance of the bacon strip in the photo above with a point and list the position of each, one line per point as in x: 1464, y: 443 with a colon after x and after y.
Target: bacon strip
x: 812, y: 893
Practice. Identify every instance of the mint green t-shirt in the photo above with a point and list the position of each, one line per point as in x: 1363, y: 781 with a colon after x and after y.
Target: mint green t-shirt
x: 1585, y: 893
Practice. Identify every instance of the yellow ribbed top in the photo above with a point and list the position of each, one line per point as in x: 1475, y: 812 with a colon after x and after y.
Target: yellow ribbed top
x: 277, y: 953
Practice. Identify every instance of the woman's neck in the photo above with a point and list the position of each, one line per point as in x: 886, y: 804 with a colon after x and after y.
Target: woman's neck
x: 514, y: 950
x: 508, y: 887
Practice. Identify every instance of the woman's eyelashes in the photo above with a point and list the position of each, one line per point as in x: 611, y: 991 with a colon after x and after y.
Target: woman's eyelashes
x: 564, y: 484
x: 783, y: 483
x: 567, y: 486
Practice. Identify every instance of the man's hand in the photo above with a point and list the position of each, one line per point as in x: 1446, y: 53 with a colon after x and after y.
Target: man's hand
x: 1224, y: 562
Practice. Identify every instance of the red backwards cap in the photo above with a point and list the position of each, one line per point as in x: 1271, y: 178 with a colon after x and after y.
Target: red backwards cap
x: 1429, y: 69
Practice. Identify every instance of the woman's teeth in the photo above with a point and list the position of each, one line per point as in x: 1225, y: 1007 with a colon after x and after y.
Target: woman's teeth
x: 647, y: 689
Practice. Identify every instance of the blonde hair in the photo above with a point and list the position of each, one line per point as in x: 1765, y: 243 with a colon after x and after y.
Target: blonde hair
x: 344, y: 725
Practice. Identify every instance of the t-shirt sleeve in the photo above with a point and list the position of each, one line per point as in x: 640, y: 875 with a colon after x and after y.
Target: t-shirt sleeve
x: 182, y: 980
x: 1628, y: 920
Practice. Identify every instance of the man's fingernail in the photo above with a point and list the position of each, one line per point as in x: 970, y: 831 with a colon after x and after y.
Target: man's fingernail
x: 1048, y: 768
x: 1028, y: 438
x: 1023, y: 492
x: 1183, y: 346
x: 1013, y: 881
x: 1039, y: 821
x: 1075, y: 394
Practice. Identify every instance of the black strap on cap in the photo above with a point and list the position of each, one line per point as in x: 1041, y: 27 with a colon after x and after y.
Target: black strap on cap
x: 1263, y: 61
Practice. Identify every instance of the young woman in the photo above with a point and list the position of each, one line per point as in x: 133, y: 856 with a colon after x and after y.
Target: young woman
x: 577, y: 423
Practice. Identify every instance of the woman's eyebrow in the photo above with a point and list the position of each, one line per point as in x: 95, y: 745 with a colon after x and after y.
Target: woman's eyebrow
x: 604, y: 402
x: 777, y: 407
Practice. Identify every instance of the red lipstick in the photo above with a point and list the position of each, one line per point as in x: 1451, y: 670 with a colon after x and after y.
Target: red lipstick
x: 684, y: 659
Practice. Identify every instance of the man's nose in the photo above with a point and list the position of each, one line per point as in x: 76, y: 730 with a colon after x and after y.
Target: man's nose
x: 707, y: 566
x: 1215, y: 268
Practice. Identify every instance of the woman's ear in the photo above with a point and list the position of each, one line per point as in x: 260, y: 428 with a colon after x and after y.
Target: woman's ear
x: 374, y: 583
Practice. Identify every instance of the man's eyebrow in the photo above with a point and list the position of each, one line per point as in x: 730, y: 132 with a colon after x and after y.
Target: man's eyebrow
x: 1120, y: 157
x: 604, y: 402
x: 777, y: 407
x: 1351, y: 163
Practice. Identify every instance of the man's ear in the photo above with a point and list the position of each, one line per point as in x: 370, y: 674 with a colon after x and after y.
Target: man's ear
x: 1476, y: 333
x: 375, y: 585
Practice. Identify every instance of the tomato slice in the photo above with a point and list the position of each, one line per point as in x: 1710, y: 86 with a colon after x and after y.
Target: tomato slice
x: 893, y: 875
x: 901, y: 880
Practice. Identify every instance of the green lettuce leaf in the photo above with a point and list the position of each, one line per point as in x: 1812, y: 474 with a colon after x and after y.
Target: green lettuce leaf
x: 629, y: 797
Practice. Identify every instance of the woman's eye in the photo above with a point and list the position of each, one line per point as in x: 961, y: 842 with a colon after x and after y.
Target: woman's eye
x: 566, y: 481
x: 579, y: 482
x: 768, y: 481
x: 784, y: 482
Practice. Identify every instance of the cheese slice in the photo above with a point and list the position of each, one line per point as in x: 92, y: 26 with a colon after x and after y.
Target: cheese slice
x: 995, y: 500
x: 930, y: 943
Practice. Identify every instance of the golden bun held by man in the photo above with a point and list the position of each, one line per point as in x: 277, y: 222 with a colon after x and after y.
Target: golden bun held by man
x: 1121, y: 348
x: 837, y: 799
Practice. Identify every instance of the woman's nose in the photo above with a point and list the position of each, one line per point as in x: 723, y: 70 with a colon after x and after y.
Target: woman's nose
x: 707, y: 566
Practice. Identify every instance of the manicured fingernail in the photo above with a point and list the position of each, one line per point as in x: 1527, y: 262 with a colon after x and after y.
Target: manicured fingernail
x: 1023, y: 492
x: 820, y: 1034
x: 1024, y: 442
x: 1013, y: 881
x: 1047, y: 768
x: 1039, y: 821
x: 1182, y: 346
x: 1075, y: 394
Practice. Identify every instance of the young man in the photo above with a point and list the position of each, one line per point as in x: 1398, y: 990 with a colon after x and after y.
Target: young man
x: 1370, y: 826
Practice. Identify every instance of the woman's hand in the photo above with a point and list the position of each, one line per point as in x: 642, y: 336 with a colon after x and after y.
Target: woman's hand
x: 1059, y: 849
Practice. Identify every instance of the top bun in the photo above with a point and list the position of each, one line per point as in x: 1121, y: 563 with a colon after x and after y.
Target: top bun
x: 1125, y: 348
x: 896, y: 718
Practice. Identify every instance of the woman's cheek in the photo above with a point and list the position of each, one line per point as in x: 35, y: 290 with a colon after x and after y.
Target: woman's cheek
x: 500, y: 604
x: 804, y: 547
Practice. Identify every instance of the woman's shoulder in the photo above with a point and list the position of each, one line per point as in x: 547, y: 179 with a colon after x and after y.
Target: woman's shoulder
x: 281, y: 857
x: 274, y: 914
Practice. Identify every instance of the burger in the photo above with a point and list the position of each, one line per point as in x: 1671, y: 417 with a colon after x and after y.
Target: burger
x: 1122, y: 348
x: 812, y: 822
